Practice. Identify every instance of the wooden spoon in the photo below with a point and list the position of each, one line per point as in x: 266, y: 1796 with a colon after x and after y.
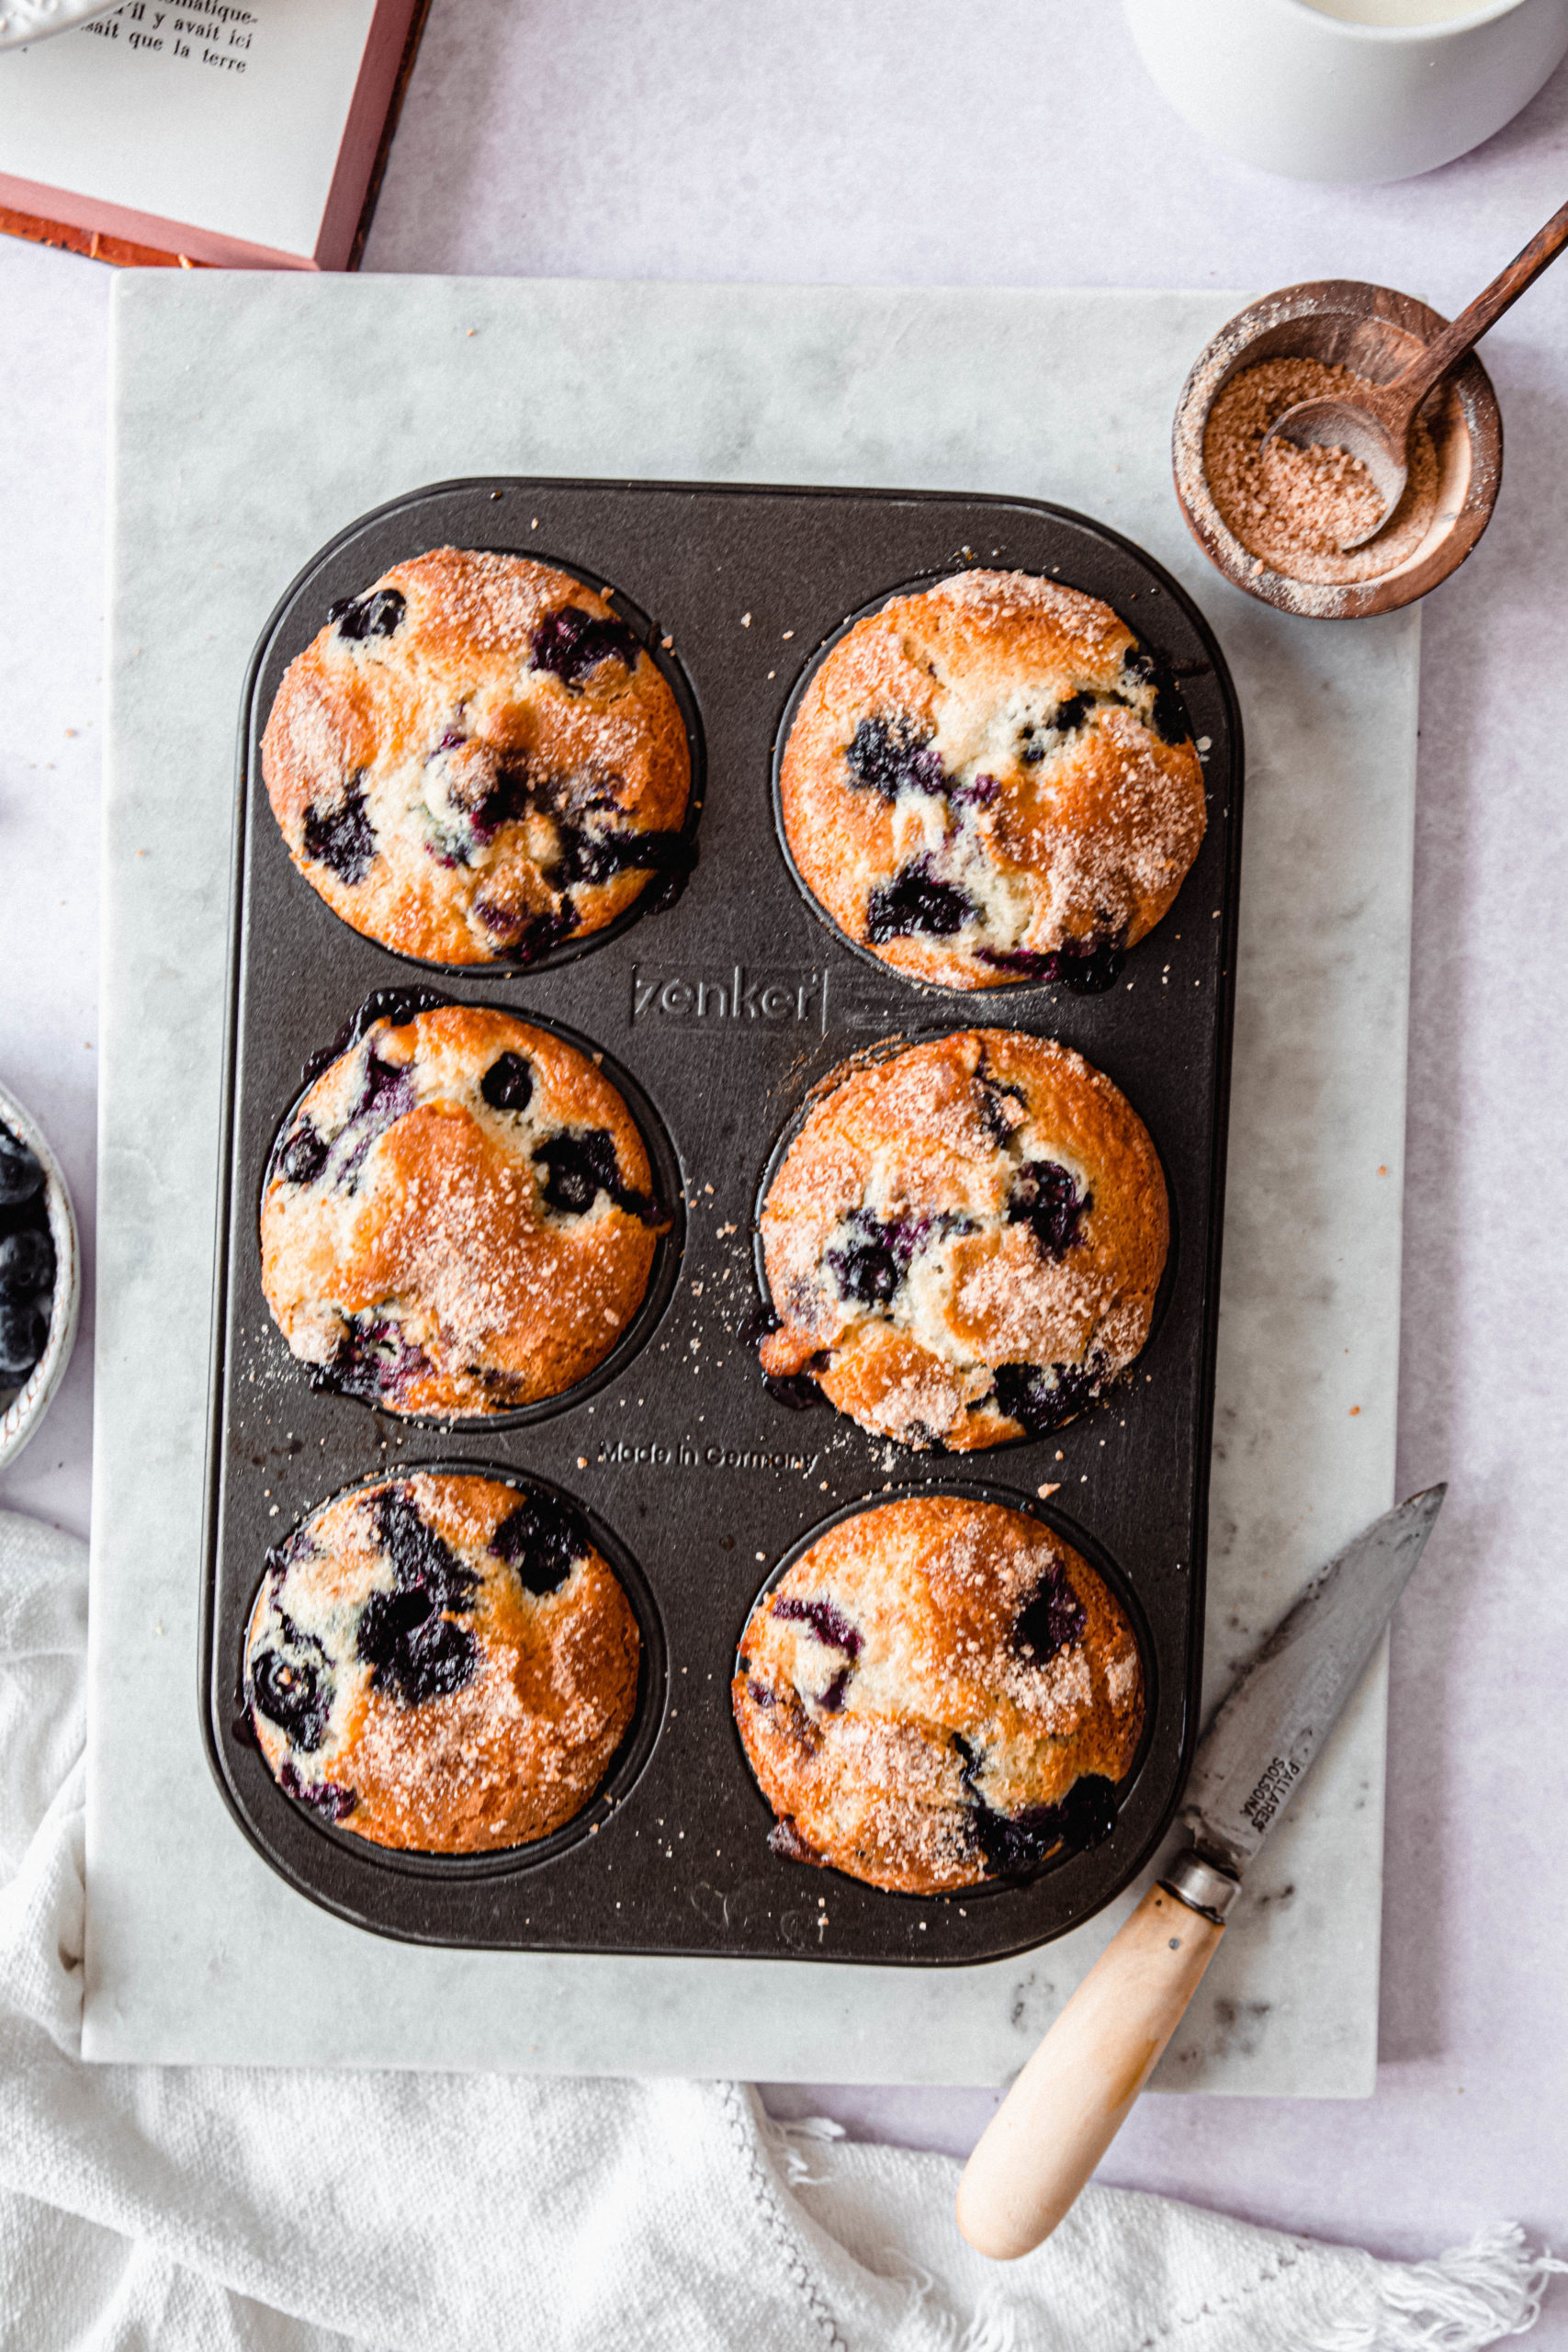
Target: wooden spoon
x: 1375, y: 425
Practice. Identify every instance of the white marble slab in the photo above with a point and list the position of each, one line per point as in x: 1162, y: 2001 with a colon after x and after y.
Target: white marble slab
x: 254, y: 416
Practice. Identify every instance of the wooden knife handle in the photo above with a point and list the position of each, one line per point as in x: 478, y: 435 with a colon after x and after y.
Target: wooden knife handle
x: 1072, y: 2098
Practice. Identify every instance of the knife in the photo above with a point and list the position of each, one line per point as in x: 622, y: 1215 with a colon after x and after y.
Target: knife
x: 1075, y: 2092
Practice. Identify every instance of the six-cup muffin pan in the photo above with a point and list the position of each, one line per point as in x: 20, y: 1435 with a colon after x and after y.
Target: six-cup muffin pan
x: 718, y: 1012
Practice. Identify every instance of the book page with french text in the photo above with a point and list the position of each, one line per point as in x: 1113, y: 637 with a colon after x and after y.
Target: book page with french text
x: 226, y: 115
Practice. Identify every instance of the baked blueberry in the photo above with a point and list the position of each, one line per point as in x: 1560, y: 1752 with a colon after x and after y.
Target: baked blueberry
x: 539, y: 1540
x: 964, y: 1242
x: 357, y: 617
x: 508, y: 1084
x: 939, y: 1692
x: 476, y: 762
x: 403, y: 1682
x: 989, y: 781
x: 342, y: 837
x: 572, y: 641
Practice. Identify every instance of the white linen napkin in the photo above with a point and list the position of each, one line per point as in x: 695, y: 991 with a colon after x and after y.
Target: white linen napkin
x: 243, y: 2210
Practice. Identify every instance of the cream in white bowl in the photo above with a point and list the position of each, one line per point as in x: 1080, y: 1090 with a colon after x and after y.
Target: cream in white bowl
x: 1349, y: 90
x: 22, y: 1409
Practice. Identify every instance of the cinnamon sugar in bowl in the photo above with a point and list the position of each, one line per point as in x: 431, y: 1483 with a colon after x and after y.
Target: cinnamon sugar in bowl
x: 1272, y: 521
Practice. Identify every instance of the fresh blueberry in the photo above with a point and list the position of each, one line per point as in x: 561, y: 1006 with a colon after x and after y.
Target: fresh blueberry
x: 917, y: 900
x: 1044, y: 1195
x: 303, y: 1157
x: 571, y: 642
x: 542, y: 1540
x: 342, y: 839
x: 892, y: 755
x: 294, y: 1690
x: 1170, y: 717
x: 1041, y: 1399
x: 27, y: 1265
x: 24, y: 1331
x: 1070, y: 714
x: 1050, y: 1619
x: 579, y: 1168
x: 830, y: 1624
x: 508, y: 1084
x: 377, y: 614
x: 21, y: 1173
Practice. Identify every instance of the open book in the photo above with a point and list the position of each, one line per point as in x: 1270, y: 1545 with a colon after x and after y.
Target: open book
x: 246, y: 135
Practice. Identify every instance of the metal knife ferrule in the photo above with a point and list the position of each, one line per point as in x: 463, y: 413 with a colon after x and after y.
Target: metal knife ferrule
x: 1202, y: 1885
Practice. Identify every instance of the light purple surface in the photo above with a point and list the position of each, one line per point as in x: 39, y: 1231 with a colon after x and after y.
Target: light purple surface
x: 915, y: 142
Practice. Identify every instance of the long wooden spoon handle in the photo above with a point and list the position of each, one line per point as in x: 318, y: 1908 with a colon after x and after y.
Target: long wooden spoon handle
x: 1441, y: 354
x: 1071, y: 2099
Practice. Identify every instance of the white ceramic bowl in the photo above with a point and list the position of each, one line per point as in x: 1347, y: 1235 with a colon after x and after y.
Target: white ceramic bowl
x: 1283, y: 86
x: 29, y: 1403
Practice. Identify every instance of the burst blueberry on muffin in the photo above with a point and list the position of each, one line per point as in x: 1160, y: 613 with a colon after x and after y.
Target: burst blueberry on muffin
x: 991, y: 782
x: 964, y: 1242
x: 939, y: 1692
x: 457, y: 1217
x: 476, y: 761
x: 442, y: 1663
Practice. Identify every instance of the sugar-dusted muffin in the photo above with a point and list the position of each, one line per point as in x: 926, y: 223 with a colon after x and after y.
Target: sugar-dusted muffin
x: 458, y: 1217
x: 964, y: 1242
x: 939, y: 1692
x: 476, y: 761
x: 442, y: 1663
x: 991, y: 782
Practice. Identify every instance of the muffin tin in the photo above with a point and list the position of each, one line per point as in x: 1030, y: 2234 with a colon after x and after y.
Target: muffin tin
x: 719, y: 1013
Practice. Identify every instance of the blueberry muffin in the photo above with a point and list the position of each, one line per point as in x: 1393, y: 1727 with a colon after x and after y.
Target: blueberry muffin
x: 441, y: 1663
x: 964, y: 1242
x: 991, y: 782
x: 940, y: 1692
x: 457, y: 1217
x: 476, y: 761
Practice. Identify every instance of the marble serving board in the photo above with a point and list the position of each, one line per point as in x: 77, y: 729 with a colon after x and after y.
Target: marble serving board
x: 252, y: 416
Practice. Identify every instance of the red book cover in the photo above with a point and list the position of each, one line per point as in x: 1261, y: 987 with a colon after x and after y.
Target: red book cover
x: 244, y: 137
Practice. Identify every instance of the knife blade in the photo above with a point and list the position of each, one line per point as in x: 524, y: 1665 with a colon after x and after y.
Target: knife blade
x: 1070, y: 2100
x: 1267, y: 1730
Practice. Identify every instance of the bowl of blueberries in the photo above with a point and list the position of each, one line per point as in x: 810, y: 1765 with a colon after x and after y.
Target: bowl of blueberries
x: 40, y: 1276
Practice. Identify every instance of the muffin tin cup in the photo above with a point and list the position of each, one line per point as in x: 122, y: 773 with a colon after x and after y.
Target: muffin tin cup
x: 724, y: 1011
x: 662, y: 1274
x: 293, y: 1837
x: 887, y: 1050
x: 1058, y: 1523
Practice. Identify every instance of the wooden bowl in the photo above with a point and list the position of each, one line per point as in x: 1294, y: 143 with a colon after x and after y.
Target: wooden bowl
x: 1375, y: 333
